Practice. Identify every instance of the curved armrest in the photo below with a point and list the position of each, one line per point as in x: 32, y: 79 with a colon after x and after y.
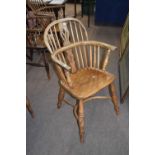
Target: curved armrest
x: 70, y: 46
x: 60, y: 63
x: 80, y: 59
x: 109, y: 46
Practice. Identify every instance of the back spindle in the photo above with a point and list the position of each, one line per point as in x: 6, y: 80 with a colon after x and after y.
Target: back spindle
x: 106, y: 59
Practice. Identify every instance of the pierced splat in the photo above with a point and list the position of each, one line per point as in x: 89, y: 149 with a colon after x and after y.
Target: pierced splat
x: 64, y: 33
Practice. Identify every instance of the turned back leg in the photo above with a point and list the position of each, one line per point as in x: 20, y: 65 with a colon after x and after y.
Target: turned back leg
x: 60, y: 97
x: 114, y: 97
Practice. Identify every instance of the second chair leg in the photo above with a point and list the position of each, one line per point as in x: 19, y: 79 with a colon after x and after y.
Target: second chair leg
x: 112, y: 92
x: 46, y: 65
x: 81, y: 120
x: 29, y: 108
x: 60, y: 97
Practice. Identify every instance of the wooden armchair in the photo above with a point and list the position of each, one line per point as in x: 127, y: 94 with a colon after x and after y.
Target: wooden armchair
x: 81, y: 69
x: 35, y: 26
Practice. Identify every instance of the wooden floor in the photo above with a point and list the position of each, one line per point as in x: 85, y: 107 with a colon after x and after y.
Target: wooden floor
x: 55, y: 132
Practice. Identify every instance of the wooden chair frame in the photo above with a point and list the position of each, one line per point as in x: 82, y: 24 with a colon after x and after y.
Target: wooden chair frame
x: 81, y: 69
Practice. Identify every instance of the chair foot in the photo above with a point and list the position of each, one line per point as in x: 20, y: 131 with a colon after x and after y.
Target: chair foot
x: 60, y: 97
x: 29, y: 108
x: 82, y: 138
x: 81, y: 120
x: 114, y: 97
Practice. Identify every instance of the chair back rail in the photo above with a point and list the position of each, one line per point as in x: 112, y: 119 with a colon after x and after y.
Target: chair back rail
x: 63, y: 32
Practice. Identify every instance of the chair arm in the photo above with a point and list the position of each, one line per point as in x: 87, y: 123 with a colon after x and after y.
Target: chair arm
x: 102, y: 44
x: 106, y: 57
x: 60, y: 63
x: 109, y: 46
x: 106, y: 46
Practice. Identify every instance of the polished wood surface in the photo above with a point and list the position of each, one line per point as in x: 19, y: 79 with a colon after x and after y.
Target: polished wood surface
x: 80, y: 65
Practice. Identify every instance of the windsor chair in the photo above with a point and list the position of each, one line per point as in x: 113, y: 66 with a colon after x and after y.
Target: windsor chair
x: 80, y: 66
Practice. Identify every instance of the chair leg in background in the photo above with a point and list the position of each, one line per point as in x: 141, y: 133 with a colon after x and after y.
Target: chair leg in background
x: 82, y: 9
x: 114, y: 97
x: 29, y: 108
x: 46, y: 65
x: 60, y: 97
x: 81, y: 120
x: 31, y: 54
x: 64, y: 12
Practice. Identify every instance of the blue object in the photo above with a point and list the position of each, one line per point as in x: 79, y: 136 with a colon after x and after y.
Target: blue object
x: 111, y: 12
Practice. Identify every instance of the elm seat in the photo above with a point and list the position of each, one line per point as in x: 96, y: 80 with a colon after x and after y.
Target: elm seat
x: 89, y: 81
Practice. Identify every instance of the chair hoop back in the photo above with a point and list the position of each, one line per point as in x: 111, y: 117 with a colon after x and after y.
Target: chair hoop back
x: 63, y: 32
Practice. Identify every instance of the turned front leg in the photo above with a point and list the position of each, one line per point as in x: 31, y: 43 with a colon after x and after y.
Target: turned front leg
x: 114, y: 97
x: 81, y: 120
x: 60, y: 97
